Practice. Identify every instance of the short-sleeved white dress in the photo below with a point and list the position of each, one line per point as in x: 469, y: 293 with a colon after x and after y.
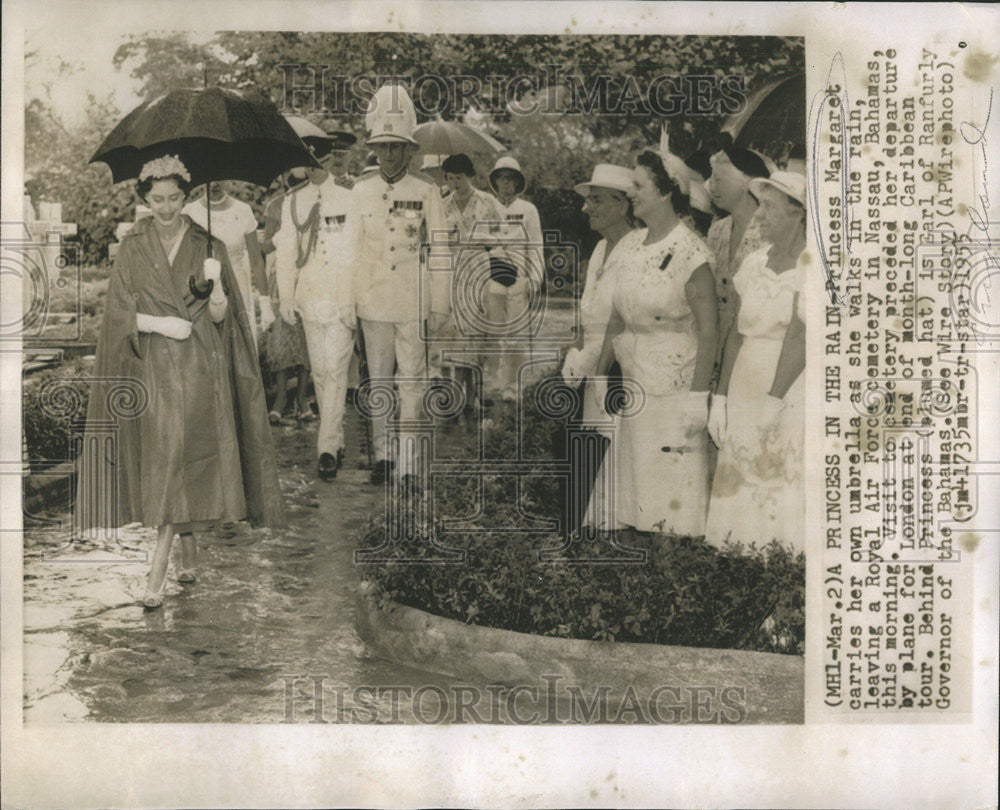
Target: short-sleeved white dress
x: 757, y: 491
x: 661, y: 476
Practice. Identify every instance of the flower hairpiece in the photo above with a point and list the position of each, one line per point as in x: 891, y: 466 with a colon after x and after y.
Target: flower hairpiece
x: 678, y: 170
x: 165, y: 167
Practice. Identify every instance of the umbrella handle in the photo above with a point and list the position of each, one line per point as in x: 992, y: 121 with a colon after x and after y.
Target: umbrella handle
x: 197, y: 290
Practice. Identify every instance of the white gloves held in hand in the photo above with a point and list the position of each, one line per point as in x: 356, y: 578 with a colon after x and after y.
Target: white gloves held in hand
x: 694, y: 411
x: 571, y: 367
x: 213, y: 270
x: 771, y: 408
x: 717, y: 419
x: 266, y: 312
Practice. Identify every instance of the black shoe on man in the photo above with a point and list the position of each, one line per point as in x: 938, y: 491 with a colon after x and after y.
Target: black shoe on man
x: 409, y: 486
x: 381, y: 471
x: 328, y: 466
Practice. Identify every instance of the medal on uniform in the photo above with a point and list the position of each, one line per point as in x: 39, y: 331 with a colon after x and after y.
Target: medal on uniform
x: 409, y: 208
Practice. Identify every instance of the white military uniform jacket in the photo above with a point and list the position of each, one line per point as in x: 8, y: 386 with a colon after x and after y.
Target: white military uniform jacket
x: 323, y: 287
x: 392, y: 279
x: 523, y: 229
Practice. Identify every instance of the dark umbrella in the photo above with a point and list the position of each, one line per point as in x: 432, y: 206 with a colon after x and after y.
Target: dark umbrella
x: 218, y: 134
x: 775, y: 113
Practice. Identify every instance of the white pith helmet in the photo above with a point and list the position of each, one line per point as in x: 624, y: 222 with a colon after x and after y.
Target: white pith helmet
x: 508, y: 163
x: 390, y: 117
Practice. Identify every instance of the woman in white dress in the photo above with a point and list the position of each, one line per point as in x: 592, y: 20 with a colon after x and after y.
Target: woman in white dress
x: 609, y: 210
x: 756, y: 417
x: 663, y: 334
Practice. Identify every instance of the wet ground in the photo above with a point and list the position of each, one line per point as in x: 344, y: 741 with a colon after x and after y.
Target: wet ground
x: 268, y: 607
x: 266, y: 634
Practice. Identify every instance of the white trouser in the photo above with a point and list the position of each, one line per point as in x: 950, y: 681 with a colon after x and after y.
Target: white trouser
x: 389, y: 344
x: 505, y: 307
x: 330, y: 346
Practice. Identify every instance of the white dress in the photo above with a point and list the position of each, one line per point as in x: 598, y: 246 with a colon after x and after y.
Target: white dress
x: 231, y: 224
x: 661, y: 476
x: 596, y: 307
x: 757, y: 493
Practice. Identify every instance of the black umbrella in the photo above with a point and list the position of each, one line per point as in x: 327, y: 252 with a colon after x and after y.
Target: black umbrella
x: 218, y: 134
x: 776, y: 113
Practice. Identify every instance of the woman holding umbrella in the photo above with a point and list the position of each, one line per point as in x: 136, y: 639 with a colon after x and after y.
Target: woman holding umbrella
x: 194, y: 449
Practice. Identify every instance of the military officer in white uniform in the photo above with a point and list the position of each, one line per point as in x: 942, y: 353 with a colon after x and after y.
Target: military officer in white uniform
x: 315, y: 249
x: 400, y: 302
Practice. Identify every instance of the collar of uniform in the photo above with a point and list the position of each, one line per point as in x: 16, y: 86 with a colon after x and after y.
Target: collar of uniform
x: 395, y: 178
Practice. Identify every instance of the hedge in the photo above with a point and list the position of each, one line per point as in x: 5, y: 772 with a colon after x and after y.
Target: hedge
x: 54, y: 406
x: 745, y: 596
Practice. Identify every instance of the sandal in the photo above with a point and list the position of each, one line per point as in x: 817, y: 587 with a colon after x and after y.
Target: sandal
x: 154, y: 599
x: 186, y: 576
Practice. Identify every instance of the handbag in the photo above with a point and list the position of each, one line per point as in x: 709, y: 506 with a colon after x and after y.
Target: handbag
x: 502, y: 271
x: 614, y: 399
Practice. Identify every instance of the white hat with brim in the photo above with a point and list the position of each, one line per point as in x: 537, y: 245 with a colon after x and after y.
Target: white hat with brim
x: 791, y: 184
x: 387, y: 138
x: 509, y: 164
x: 606, y: 175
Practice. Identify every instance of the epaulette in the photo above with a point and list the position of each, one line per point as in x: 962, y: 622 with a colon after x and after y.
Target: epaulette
x: 297, y: 186
x: 365, y: 178
x: 419, y: 175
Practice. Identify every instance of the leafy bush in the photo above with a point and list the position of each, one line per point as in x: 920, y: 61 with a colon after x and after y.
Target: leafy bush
x: 687, y: 592
x: 54, y: 407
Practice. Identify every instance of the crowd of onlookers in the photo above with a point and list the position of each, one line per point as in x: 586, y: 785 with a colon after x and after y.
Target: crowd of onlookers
x: 689, y: 363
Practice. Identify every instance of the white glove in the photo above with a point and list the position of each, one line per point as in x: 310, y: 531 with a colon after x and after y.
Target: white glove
x: 266, y: 312
x: 717, y: 419
x: 171, y: 327
x: 436, y: 323
x: 695, y: 411
x: 347, y: 317
x: 570, y: 372
x: 770, y: 410
x: 599, y: 387
x: 212, y: 269
x: 287, y: 310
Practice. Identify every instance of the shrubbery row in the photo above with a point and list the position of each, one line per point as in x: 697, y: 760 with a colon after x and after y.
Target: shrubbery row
x: 510, y: 575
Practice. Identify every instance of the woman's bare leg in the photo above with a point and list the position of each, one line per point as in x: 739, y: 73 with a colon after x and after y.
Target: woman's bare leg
x: 189, y: 557
x: 158, y: 569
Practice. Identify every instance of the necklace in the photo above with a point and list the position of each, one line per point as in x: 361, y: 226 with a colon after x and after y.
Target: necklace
x: 169, y: 239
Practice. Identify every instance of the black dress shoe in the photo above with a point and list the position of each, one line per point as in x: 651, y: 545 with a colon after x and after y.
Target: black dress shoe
x: 381, y: 470
x: 328, y: 466
x: 410, y: 487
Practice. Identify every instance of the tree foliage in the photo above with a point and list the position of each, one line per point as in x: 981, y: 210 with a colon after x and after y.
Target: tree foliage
x: 562, y: 103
